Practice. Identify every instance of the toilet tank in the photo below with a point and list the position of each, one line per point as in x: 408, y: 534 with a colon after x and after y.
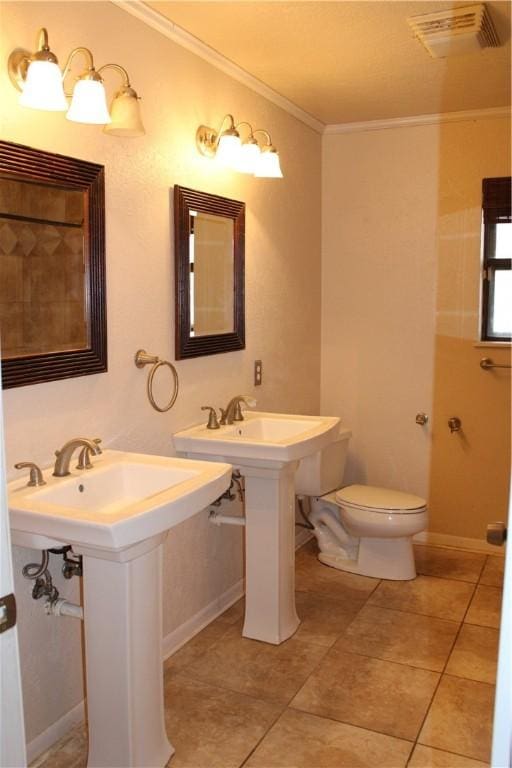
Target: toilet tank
x: 323, y: 471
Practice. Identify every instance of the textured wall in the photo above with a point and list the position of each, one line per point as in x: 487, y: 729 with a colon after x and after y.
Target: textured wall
x: 400, y: 303
x: 179, y: 92
x: 470, y: 470
x: 378, y: 298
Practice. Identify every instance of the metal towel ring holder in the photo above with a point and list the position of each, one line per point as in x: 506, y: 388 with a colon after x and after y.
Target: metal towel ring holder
x: 142, y: 358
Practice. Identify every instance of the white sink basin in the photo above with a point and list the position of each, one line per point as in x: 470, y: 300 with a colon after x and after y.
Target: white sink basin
x: 261, y: 436
x: 123, y: 499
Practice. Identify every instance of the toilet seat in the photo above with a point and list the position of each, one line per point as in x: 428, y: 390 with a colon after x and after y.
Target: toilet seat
x: 379, y: 500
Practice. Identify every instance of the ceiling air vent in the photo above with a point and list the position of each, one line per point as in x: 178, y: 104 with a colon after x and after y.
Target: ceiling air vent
x: 455, y: 31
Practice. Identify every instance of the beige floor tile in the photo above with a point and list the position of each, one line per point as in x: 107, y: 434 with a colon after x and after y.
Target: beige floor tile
x: 210, y: 727
x: 485, y: 608
x: 68, y: 752
x: 233, y: 614
x: 196, y: 647
x: 299, y: 740
x: 492, y: 575
x: 313, y: 576
x: 270, y: 672
x: 323, y: 619
x: 426, y: 757
x: 443, y: 598
x: 448, y: 563
x: 370, y: 693
x: 475, y: 654
x: 460, y: 718
x: 408, y: 638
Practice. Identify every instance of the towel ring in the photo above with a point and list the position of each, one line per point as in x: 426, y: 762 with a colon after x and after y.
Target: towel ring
x: 142, y: 358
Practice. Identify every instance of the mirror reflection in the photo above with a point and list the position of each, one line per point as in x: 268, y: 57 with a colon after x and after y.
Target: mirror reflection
x: 211, y: 274
x: 43, y: 273
x: 52, y: 266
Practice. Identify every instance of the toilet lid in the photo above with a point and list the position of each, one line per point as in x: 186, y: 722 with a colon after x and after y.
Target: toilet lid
x: 379, y: 498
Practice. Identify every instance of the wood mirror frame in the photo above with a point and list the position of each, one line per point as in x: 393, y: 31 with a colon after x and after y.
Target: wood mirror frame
x: 185, y: 201
x: 24, y: 164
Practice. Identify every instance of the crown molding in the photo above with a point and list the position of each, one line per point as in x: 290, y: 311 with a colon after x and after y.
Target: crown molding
x: 417, y: 120
x: 183, y: 38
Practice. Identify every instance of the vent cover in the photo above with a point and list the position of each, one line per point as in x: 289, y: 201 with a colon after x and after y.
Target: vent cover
x: 455, y: 31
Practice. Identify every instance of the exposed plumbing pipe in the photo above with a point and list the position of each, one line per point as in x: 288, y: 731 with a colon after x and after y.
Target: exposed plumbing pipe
x: 61, y: 607
x: 217, y: 519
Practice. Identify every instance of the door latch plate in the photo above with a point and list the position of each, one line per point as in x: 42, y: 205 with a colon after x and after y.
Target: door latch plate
x: 7, y: 612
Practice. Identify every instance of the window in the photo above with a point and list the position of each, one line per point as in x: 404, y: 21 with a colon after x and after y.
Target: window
x: 497, y: 258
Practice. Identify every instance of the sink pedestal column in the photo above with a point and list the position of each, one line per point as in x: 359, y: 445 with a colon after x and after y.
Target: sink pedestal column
x: 123, y: 650
x: 270, y: 613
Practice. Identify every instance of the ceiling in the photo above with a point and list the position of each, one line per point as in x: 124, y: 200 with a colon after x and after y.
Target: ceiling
x: 352, y: 60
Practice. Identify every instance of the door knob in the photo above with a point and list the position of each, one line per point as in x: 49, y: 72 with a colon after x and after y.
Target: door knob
x: 421, y: 419
x: 496, y: 534
x: 455, y: 424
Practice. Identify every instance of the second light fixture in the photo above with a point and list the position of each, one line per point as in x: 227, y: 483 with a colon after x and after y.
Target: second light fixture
x: 247, y: 156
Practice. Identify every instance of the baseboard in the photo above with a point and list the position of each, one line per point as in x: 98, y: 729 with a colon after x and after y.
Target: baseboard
x: 458, y: 542
x: 170, y: 644
x: 302, y: 536
x: 185, y: 632
x: 56, y: 731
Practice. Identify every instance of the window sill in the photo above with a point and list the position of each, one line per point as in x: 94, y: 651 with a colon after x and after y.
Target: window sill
x: 492, y: 344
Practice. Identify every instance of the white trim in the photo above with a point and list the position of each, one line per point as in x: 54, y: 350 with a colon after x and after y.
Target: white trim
x: 417, y: 120
x: 180, y: 36
x: 302, y: 536
x: 56, y: 731
x: 492, y: 345
x: 185, y: 632
x: 171, y: 643
x: 459, y: 542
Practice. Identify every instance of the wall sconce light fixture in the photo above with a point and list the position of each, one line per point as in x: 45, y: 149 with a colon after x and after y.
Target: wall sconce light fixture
x: 248, y: 156
x: 42, y: 85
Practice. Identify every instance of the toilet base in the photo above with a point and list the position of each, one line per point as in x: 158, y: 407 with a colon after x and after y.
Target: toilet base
x: 379, y: 558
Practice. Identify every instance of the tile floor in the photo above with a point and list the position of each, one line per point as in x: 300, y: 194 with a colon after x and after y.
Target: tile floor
x: 379, y: 675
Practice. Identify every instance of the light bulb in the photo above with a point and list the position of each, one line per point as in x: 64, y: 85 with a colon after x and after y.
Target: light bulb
x: 228, y: 150
x: 248, y: 157
x: 43, y: 87
x: 268, y: 165
x: 125, y: 115
x: 89, y: 104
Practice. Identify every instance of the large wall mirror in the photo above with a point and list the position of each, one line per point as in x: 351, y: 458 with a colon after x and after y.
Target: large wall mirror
x: 209, y: 263
x: 52, y: 266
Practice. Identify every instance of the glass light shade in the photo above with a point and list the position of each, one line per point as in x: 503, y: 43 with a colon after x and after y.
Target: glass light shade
x: 89, y: 103
x: 228, y: 150
x: 268, y: 165
x: 248, y: 157
x: 125, y: 116
x: 43, y: 87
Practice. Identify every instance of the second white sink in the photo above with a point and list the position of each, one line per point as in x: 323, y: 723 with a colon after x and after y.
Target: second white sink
x: 265, y: 436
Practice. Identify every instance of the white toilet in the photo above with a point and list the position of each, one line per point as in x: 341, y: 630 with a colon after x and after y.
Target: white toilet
x: 359, y: 528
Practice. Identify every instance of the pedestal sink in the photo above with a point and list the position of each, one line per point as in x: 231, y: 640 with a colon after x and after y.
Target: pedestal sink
x: 266, y: 447
x: 116, y: 516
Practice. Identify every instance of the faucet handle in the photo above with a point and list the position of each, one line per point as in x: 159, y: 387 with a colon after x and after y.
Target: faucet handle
x: 84, y: 457
x: 36, y: 476
x: 213, y: 422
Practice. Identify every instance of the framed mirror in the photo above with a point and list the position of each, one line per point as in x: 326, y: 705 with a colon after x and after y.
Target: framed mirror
x: 209, y: 264
x: 52, y: 266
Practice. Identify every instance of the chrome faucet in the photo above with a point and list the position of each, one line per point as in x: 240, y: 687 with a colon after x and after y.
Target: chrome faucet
x: 63, y: 459
x: 233, y: 410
